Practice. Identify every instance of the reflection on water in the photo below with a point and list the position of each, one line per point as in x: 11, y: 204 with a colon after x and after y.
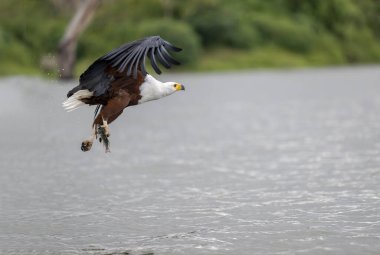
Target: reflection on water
x: 263, y: 162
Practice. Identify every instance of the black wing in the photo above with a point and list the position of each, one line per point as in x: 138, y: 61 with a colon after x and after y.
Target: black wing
x: 94, y: 79
x: 129, y: 57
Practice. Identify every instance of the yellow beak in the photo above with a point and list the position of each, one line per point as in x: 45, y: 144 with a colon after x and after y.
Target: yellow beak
x: 179, y: 87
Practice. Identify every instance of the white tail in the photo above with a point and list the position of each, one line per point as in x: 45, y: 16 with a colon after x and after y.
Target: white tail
x: 74, y: 102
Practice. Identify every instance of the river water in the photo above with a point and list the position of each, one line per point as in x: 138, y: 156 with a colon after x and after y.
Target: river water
x: 266, y: 162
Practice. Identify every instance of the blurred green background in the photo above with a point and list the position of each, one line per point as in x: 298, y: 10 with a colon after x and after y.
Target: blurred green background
x: 216, y: 34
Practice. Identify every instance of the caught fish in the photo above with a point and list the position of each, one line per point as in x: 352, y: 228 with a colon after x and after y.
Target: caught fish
x: 103, y: 137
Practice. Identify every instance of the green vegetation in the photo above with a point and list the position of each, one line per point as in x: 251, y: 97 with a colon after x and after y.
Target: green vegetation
x: 216, y: 34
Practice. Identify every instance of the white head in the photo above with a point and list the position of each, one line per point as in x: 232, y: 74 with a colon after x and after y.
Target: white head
x: 170, y: 87
x: 153, y: 89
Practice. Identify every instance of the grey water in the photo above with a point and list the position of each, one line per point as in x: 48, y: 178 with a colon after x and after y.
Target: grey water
x: 264, y: 162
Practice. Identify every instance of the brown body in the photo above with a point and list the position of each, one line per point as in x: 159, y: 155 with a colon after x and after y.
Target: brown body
x: 123, y: 91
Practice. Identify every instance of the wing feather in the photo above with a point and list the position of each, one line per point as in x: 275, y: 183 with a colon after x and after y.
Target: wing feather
x: 142, y: 66
x: 133, y: 54
x: 162, y: 59
x: 128, y: 58
x: 172, y: 47
x: 153, y: 61
x: 167, y: 56
x: 139, y: 59
x: 133, y: 64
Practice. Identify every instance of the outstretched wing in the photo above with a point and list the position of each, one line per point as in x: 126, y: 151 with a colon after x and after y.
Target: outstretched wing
x: 129, y: 58
x: 132, y: 55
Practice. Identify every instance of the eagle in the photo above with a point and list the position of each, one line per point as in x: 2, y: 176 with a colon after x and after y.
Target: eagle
x: 119, y: 79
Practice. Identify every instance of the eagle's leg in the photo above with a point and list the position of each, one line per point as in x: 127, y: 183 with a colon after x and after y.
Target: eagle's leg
x: 87, y: 144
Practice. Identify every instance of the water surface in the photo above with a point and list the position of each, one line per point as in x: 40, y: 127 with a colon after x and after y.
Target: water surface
x: 284, y: 162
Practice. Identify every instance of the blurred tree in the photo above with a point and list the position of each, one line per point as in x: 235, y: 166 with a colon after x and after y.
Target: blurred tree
x: 168, y: 7
x: 247, y: 33
x: 65, y: 5
x: 68, y: 44
x: 218, y: 24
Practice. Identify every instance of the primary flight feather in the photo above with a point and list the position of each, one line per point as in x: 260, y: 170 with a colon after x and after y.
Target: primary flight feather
x: 119, y: 79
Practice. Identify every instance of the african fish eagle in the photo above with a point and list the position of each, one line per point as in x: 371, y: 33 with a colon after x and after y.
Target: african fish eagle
x: 119, y: 79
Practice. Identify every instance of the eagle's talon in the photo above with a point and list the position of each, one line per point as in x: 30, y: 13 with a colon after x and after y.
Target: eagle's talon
x: 86, y: 145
